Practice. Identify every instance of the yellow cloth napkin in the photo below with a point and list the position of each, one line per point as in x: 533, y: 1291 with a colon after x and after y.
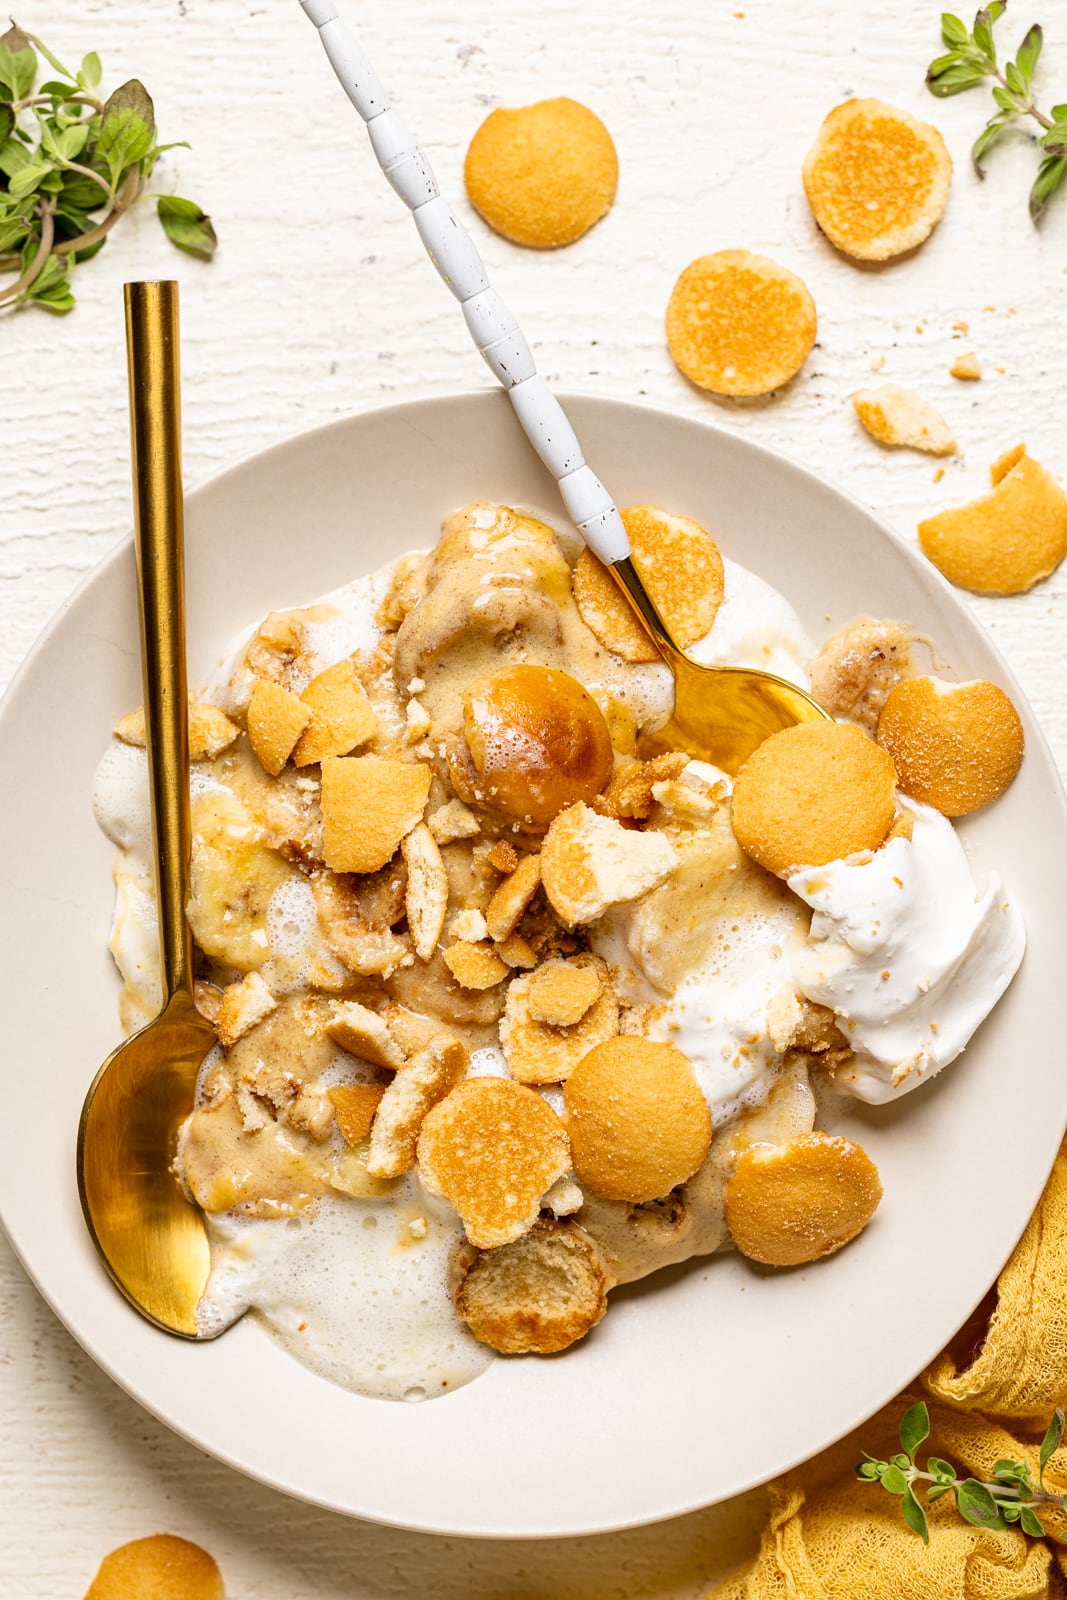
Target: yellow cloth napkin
x: 831, y: 1537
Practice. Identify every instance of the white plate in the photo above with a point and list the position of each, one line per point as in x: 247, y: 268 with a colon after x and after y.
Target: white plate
x: 706, y: 1379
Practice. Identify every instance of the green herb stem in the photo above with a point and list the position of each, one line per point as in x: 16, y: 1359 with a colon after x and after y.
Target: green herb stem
x: 128, y: 195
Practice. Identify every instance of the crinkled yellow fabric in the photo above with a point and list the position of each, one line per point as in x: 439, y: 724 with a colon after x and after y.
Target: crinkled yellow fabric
x: 831, y: 1537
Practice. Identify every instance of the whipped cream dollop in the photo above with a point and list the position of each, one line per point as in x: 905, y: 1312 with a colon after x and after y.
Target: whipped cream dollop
x: 907, y: 952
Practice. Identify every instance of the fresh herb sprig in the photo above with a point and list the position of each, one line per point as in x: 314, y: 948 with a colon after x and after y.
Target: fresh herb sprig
x: 971, y: 59
x: 1010, y: 1497
x: 71, y: 166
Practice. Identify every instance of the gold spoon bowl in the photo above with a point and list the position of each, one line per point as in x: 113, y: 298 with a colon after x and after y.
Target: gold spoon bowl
x: 721, y: 714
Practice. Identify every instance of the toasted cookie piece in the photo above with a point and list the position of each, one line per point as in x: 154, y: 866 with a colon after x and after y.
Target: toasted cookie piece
x: 682, y: 569
x: 426, y: 896
x: 369, y: 804
x: 739, y: 324
x: 786, y: 1204
x: 276, y: 719
x: 418, y: 1085
x: 638, y: 1122
x: 342, y: 717
x: 955, y: 746
x: 365, y: 1034
x: 542, y: 174
x: 242, y: 1005
x: 630, y: 792
x: 967, y: 367
x: 517, y: 952
x: 354, y: 1107
x: 453, y: 821
x: 900, y: 417
x: 813, y: 793
x: 541, y: 1293
x: 538, y: 742
x: 1007, y: 540
x: 538, y: 1051
x: 510, y: 899
x: 492, y: 1149
x: 161, y: 1567
x: 561, y: 992
x: 474, y: 966
x: 210, y: 730
x: 876, y: 179
x: 590, y: 862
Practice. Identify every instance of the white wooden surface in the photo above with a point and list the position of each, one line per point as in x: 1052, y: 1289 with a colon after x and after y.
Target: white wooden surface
x: 320, y: 301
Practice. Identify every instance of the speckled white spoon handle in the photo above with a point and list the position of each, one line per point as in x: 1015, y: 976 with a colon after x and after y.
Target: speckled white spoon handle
x: 491, y: 324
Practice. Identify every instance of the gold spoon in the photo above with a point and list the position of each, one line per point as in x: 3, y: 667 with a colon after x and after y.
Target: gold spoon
x: 721, y: 714
x: 152, y: 1239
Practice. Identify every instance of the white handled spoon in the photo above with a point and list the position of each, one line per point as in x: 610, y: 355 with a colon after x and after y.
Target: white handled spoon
x: 720, y: 713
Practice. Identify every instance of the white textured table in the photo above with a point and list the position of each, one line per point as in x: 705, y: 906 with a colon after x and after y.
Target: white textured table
x: 320, y: 301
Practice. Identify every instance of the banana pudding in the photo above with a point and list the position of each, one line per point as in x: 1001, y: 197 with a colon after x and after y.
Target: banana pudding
x: 509, y: 1011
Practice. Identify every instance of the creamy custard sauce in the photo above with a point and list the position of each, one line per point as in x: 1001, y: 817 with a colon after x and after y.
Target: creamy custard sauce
x: 349, y: 1272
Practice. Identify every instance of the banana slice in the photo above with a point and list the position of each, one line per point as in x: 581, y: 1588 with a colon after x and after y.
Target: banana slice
x: 233, y: 875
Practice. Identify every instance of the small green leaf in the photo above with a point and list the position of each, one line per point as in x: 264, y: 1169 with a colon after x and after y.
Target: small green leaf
x: 91, y: 71
x: 1005, y: 101
x: 187, y: 226
x: 938, y: 1490
x: 987, y: 139
x: 127, y: 129
x: 954, y: 80
x: 867, y: 1470
x: 58, y: 91
x: 1010, y: 1513
x: 1059, y: 113
x: 914, y: 1428
x: 893, y: 1480
x: 1050, y: 175
x: 983, y: 32
x: 914, y: 1516
x: 1026, y: 57
x: 942, y: 63
x: 53, y: 61
x: 1031, y: 1523
x: 1016, y: 82
x: 28, y: 178
x: 1009, y: 1471
x: 64, y: 144
x: 7, y: 122
x: 1051, y: 1442
x: 82, y: 192
x: 18, y: 66
x: 13, y: 234
x: 13, y: 157
x: 953, y: 31
x: 941, y: 1469
x: 977, y: 1506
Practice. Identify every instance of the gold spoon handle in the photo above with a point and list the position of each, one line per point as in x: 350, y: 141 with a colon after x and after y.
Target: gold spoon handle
x: 159, y: 541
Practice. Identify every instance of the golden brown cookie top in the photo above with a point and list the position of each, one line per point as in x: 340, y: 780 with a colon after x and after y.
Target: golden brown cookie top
x: 877, y: 179
x: 680, y: 565
x: 638, y: 1122
x: 956, y: 746
x: 786, y: 1204
x: 740, y: 324
x: 813, y: 793
x: 542, y: 174
x: 491, y: 1149
x: 1005, y: 541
